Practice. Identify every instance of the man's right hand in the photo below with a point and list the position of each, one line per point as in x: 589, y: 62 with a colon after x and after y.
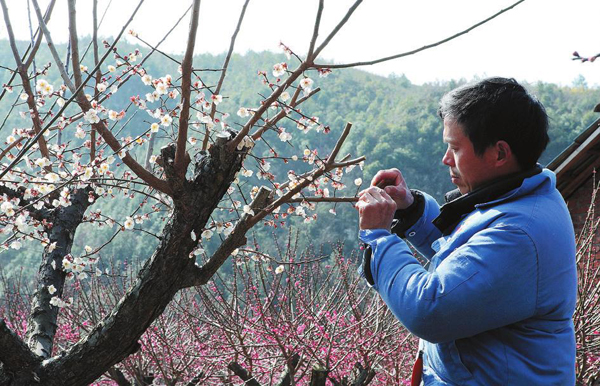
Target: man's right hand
x: 393, y: 183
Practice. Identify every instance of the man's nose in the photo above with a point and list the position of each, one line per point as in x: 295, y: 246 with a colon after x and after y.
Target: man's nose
x: 447, y: 159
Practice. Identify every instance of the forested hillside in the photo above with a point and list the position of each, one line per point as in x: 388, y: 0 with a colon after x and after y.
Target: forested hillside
x: 395, y: 125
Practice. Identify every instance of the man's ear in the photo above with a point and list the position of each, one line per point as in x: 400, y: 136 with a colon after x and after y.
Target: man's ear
x: 504, y: 153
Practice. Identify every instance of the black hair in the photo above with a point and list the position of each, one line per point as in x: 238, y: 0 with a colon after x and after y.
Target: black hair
x: 496, y: 109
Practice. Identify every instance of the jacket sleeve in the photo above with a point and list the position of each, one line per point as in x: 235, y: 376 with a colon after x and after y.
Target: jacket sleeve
x: 489, y: 282
x: 423, y: 233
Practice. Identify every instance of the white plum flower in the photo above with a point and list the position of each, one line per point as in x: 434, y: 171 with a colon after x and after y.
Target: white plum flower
x: 42, y: 162
x: 358, y: 181
x: 80, y: 133
x: 23, y: 96
x: 111, y: 68
x: 154, y: 127
x: 88, y: 249
x: 166, y: 120
x: 284, y: 136
x: 113, y: 115
x: 243, y: 112
x: 16, y: 245
x: 161, y: 88
x: 216, y: 99
x: 6, y: 206
x: 89, y: 172
x: 306, y: 85
x: 207, y: 234
x: 51, y: 289
x: 284, y: 96
x: 52, y: 177
x: 91, y: 116
x: 279, y: 69
x: 129, y: 223
x: 57, y: 302
x: 279, y: 269
x: 101, y: 87
x: 147, y: 79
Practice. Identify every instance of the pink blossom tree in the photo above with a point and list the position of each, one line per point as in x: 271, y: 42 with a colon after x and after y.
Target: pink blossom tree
x: 48, y: 187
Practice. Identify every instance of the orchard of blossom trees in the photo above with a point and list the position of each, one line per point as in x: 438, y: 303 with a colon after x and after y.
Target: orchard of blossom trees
x: 297, y: 318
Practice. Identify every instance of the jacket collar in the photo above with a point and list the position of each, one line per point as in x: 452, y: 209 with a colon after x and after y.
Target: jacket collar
x: 458, y: 205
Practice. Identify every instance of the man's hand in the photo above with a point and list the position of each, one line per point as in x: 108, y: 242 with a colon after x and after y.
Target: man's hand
x: 375, y: 209
x: 393, y: 183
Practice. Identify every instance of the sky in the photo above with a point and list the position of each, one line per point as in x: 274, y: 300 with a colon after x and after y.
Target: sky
x: 532, y: 42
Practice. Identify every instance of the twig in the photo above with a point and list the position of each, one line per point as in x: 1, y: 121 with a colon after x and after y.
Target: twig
x: 313, y: 41
x: 335, y: 30
x: 224, y: 70
x: 426, y: 47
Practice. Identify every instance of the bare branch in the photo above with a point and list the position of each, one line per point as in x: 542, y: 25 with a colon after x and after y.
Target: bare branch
x: 52, y: 47
x: 313, y: 41
x: 339, y: 144
x: 38, y: 40
x: 74, y: 44
x: 224, y: 70
x: 15, y: 355
x: 98, y: 74
x: 335, y: 30
x: 186, y: 90
x: 323, y: 199
x: 426, y: 47
x: 243, y: 374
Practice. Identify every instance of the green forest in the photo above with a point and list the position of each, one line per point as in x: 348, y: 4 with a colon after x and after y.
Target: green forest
x: 395, y: 124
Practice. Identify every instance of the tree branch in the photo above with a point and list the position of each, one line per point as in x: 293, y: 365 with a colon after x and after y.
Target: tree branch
x: 224, y: 70
x: 237, y: 238
x: 73, y: 38
x: 339, y: 143
x: 313, y: 41
x: 426, y: 47
x: 15, y: 355
x: 186, y: 90
x: 37, y: 124
x: 39, y: 34
x: 266, y: 104
x: 273, y: 121
x: 335, y: 30
x: 243, y: 374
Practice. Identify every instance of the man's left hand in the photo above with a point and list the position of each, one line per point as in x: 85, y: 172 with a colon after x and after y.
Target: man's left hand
x: 375, y: 209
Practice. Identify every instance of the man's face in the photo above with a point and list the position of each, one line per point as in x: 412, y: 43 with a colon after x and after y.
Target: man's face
x: 467, y: 170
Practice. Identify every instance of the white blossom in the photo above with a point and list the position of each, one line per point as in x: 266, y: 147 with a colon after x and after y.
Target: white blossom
x: 128, y: 223
x: 91, y: 116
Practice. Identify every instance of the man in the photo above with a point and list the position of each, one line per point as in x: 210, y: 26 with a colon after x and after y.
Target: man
x: 495, y: 305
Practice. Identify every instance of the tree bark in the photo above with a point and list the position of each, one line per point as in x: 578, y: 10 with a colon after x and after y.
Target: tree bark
x: 41, y: 325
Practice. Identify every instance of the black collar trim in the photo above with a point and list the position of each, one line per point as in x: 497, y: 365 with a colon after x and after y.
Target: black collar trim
x: 458, y: 205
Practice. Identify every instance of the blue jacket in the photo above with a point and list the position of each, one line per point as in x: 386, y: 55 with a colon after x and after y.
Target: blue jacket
x: 496, y: 303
